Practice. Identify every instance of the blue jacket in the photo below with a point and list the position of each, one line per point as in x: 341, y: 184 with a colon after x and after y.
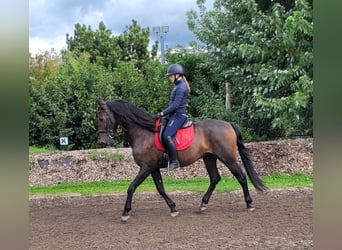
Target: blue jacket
x: 178, y: 99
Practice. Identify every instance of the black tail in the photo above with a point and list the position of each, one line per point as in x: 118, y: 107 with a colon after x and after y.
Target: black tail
x: 246, y: 160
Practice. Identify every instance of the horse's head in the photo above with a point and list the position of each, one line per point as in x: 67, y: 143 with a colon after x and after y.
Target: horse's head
x: 107, y: 124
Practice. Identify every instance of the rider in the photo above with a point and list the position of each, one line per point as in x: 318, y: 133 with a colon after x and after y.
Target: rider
x: 176, y: 111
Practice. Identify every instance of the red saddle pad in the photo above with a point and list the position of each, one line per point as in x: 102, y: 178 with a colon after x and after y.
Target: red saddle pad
x: 184, y: 137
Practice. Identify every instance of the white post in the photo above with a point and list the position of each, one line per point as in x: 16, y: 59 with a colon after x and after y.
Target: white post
x: 228, y: 104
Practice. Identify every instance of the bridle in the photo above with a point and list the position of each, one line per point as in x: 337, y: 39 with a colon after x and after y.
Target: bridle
x: 109, y: 125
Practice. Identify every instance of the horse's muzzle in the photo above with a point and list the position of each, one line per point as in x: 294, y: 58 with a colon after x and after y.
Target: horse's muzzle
x: 106, y: 142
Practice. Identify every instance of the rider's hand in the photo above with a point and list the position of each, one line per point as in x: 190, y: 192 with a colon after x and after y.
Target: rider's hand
x: 158, y: 115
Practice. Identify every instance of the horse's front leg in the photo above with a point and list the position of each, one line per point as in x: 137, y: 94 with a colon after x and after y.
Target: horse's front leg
x: 158, y: 181
x: 142, y: 175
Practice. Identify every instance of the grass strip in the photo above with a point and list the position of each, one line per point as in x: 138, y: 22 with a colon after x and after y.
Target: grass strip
x: 227, y: 184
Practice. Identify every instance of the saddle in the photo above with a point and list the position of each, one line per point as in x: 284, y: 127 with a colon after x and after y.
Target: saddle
x: 183, y: 138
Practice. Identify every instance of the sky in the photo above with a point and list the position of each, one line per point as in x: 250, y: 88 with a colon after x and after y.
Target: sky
x: 51, y: 20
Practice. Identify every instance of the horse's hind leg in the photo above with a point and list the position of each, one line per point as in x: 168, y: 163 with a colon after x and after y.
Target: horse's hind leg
x: 242, y: 179
x: 158, y: 181
x: 214, y: 175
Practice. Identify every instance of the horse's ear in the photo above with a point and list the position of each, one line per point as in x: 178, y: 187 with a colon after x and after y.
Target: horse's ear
x: 101, y: 102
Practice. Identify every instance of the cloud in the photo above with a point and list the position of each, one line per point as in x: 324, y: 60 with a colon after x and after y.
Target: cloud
x: 38, y: 45
x: 52, y: 20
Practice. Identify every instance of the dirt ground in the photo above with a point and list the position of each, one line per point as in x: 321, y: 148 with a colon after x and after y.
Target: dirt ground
x: 283, y: 219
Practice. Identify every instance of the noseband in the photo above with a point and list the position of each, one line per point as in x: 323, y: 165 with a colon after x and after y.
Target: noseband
x: 110, y: 133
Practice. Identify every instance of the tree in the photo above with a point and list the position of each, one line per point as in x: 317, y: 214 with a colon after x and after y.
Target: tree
x: 107, y: 49
x: 134, y: 44
x: 267, y: 57
x: 101, y: 45
x: 65, y: 103
x: 97, y: 65
x: 43, y: 65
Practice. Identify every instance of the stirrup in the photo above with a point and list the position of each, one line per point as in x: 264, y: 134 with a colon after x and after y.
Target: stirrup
x: 173, y: 165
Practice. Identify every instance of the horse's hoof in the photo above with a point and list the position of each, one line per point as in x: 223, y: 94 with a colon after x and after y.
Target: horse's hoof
x: 203, y: 208
x: 250, y: 209
x: 174, y: 214
x: 124, y: 218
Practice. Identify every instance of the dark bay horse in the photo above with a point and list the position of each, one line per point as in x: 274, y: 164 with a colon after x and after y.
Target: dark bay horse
x: 214, y: 140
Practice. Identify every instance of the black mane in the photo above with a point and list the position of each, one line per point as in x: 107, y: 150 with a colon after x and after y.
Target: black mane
x: 127, y: 114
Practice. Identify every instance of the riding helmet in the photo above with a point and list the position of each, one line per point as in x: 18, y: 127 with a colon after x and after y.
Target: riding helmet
x: 175, y: 69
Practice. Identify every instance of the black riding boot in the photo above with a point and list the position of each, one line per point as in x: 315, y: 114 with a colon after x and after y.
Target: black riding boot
x: 171, y: 149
